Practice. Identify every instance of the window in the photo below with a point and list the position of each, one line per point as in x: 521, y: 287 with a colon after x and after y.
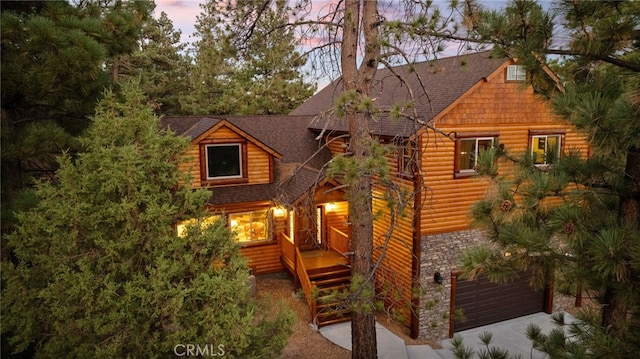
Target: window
x: 292, y: 226
x: 181, y: 228
x: 545, y: 149
x: 405, y: 157
x: 467, y: 151
x: 223, y: 161
x: 250, y: 226
x: 516, y: 73
x: 319, y: 224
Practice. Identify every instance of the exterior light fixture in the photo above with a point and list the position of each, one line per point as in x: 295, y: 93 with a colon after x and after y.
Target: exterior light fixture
x: 437, y: 278
x: 279, y: 212
x: 330, y: 207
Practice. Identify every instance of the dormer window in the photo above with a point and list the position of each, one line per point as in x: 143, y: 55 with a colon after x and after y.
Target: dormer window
x: 516, y: 73
x: 223, y: 162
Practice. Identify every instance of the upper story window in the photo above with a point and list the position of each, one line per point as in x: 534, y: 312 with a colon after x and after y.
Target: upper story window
x: 223, y: 163
x: 545, y: 148
x: 468, y: 150
x: 516, y: 73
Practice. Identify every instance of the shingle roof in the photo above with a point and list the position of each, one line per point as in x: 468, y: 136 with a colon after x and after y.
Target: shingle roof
x: 435, y: 85
x: 444, y: 80
x: 242, y: 194
x: 287, y: 135
x: 293, y: 187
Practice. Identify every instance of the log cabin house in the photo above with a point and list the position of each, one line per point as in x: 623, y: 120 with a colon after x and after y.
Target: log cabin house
x: 266, y: 174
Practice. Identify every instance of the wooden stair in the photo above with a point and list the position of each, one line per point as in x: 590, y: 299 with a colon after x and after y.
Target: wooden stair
x: 327, y: 282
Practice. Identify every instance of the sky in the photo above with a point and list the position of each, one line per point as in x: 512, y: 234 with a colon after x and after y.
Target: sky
x: 183, y: 13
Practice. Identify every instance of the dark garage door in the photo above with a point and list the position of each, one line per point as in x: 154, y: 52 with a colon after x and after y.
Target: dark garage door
x: 483, y: 302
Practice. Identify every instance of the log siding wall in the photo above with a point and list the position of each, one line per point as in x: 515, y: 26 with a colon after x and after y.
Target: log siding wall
x: 393, y: 241
x: 264, y: 258
x: 496, y: 107
x: 393, y: 277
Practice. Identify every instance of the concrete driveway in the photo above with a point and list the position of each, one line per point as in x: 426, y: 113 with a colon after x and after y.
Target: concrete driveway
x: 509, y: 335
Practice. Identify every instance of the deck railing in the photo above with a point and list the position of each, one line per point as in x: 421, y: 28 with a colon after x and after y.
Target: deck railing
x: 305, y: 283
x: 338, y: 240
x: 288, y: 252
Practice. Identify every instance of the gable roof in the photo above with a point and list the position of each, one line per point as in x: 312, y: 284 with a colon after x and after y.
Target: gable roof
x: 435, y: 85
x: 284, y: 134
x: 199, y: 131
x: 287, y: 136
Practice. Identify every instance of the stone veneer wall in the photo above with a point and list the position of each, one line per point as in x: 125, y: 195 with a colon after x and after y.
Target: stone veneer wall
x: 440, y: 253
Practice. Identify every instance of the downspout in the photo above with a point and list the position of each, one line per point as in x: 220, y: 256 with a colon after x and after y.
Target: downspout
x: 416, y: 168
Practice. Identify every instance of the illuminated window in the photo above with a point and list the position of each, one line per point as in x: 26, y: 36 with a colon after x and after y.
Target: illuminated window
x: 319, y: 231
x: 468, y: 150
x: 292, y: 226
x: 181, y: 228
x: 250, y: 226
x: 224, y: 161
x: 545, y: 149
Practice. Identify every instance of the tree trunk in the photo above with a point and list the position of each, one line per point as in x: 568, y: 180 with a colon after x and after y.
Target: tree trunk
x: 614, y: 310
x: 630, y: 201
x: 614, y: 313
x: 363, y: 333
x: 358, y: 80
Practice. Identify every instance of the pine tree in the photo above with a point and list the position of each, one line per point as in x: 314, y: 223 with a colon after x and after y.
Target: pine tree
x: 160, y: 64
x: 576, y: 222
x: 246, y: 60
x: 57, y: 58
x: 98, y: 269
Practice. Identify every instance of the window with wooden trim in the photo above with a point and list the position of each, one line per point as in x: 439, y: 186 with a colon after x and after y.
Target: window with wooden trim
x: 223, y: 161
x: 516, y: 73
x: 406, y: 153
x: 468, y: 150
x: 251, y: 227
x: 546, y: 149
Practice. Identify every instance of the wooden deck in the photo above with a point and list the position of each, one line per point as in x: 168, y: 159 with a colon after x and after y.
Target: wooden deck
x: 322, y: 259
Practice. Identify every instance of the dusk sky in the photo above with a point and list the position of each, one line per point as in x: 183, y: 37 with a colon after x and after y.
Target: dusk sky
x: 183, y: 12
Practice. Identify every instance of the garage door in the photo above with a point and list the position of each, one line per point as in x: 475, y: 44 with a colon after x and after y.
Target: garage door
x: 483, y: 302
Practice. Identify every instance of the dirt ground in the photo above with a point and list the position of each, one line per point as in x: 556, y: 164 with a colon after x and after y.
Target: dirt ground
x: 305, y: 342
